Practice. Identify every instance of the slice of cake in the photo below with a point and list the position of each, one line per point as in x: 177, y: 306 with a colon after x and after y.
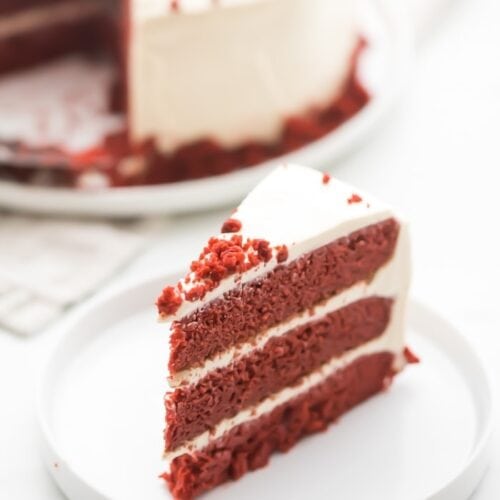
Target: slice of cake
x: 290, y: 317
x: 192, y: 87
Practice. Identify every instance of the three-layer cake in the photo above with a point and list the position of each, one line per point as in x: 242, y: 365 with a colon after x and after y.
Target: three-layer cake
x: 290, y: 316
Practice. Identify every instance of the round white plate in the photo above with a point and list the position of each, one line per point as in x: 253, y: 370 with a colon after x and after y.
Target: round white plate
x: 101, y: 415
x: 384, y: 68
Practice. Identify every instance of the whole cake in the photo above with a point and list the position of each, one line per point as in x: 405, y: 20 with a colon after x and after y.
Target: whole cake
x: 290, y: 317
x: 120, y: 92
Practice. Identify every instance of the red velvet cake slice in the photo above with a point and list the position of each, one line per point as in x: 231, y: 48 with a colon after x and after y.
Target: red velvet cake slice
x: 290, y: 317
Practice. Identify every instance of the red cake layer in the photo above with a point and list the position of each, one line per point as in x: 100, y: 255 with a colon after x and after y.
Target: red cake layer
x: 248, y: 446
x: 283, y: 361
x: 11, y: 6
x: 199, y: 159
x: 289, y: 289
x: 87, y: 34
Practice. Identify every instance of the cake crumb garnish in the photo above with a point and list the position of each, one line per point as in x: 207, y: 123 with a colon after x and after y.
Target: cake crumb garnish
x: 326, y: 178
x: 231, y: 226
x: 169, y: 301
x: 282, y: 253
x: 355, y: 198
x: 219, y: 259
x: 410, y: 356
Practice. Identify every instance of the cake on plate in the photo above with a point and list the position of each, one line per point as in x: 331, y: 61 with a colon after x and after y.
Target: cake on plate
x: 123, y: 92
x: 290, y: 317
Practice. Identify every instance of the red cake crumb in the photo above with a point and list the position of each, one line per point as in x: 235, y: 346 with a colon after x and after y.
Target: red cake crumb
x: 355, y: 198
x: 263, y: 249
x: 169, y: 301
x: 231, y: 226
x: 220, y: 258
x: 326, y: 178
x: 410, y: 356
x: 282, y: 254
x: 195, y: 293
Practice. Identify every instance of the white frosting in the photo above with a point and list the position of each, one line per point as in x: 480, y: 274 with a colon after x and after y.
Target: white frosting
x: 292, y: 206
x: 390, y: 281
x: 235, y: 71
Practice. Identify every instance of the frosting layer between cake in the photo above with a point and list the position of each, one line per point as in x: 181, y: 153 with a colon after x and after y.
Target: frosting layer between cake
x: 388, y: 342
x: 281, y: 362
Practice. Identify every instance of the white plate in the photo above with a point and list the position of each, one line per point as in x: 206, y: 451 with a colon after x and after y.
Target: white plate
x: 384, y: 71
x: 101, y: 415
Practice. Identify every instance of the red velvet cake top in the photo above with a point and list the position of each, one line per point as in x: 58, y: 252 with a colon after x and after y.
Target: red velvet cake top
x: 220, y: 259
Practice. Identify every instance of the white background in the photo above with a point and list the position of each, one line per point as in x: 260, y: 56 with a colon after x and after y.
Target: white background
x: 437, y: 157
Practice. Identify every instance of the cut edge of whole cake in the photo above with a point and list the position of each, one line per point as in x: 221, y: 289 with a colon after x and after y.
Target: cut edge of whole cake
x: 292, y: 315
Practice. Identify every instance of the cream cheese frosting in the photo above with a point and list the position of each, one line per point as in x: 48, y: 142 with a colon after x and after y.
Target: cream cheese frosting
x: 233, y: 70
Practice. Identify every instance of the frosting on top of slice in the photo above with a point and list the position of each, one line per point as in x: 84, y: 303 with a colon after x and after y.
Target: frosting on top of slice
x: 291, y: 212
x: 297, y: 204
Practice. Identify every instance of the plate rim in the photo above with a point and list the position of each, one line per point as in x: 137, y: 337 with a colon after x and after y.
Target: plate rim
x: 461, y: 485
x: 205, y: 193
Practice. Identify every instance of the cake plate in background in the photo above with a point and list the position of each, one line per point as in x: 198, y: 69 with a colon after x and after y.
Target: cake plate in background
x: 383, y: 70
x: 101, y: 412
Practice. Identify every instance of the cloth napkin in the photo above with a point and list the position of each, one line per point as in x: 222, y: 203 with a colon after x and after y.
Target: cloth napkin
x: 46, y: 265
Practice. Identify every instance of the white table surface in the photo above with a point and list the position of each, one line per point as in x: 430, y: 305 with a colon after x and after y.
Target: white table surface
x: 437, y: 158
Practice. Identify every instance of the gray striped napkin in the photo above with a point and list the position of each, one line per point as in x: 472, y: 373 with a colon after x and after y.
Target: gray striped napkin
x: 47, y: 265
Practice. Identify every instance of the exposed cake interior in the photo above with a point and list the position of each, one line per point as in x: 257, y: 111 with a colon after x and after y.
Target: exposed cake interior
x: 289, y: 317
x: 289, y: 289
